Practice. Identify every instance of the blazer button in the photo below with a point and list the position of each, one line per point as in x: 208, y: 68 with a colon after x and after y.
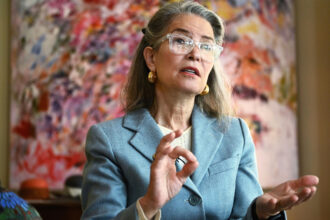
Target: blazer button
x: 194, y: 200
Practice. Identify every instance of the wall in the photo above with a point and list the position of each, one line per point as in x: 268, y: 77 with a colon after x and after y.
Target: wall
x: 4, y: 89
x: 313, y: 59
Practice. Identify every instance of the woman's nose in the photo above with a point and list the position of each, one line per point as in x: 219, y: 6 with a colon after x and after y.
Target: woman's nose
x: 195, y: 53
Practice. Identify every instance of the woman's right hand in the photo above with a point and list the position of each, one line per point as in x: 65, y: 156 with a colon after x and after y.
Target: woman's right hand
x: 165, y: 181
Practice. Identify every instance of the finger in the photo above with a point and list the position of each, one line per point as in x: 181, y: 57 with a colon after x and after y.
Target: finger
x: 306, y: 194
x: 161, y: 161
x: 178, y: 133
x: 286, y: 202
x: 163, y: 145
x: 165, y: 151
x: 167, y: 140
x: 265, y: 206
x: 271, y: 206
x: 302, y: 196
x: 187, y: 170
x: 304, y: 181
x: 191, y: 164
x: 313, y: 191
x: 180, y: 151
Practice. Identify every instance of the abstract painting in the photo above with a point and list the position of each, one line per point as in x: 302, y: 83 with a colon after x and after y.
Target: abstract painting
x: 70, y: 59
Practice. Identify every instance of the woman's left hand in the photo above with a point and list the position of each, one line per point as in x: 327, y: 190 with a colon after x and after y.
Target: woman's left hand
x: 285, y: 196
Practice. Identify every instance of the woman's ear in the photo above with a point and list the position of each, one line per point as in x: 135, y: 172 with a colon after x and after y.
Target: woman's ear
x: 149, y: 57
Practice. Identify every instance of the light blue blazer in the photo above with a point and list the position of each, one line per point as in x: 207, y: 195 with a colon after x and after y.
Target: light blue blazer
x: 119, y: 154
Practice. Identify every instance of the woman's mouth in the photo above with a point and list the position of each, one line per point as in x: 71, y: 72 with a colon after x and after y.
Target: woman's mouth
x: 190, y: 70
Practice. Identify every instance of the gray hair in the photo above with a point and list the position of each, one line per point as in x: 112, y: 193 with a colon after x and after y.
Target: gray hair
x: 140, y: 93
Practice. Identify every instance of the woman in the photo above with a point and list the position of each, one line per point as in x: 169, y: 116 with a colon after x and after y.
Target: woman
x: 177, y: 154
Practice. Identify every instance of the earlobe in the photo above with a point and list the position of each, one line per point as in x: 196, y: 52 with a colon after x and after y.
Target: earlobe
x: 148, y: 54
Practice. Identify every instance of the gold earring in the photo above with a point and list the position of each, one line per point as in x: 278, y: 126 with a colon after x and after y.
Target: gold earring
x: 152, y: 77
x: 205, y: 90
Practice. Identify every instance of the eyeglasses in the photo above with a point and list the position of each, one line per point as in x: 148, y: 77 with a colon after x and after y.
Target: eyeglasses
x: 181, y: 45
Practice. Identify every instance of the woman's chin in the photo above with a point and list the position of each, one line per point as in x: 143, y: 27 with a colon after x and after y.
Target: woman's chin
x: 190, y: 92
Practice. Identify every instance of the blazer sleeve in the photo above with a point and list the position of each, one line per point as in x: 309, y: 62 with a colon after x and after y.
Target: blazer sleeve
x: 247, y: 184
x: 104, y: 194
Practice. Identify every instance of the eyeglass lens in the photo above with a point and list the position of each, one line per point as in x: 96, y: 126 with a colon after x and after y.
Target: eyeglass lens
x: 180, y: 44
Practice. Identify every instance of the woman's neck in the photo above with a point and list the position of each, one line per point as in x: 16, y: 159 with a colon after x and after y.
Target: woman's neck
x: 173, y: 112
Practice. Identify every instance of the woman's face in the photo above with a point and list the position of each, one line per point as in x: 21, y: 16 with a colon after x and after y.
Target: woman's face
x: 179, y: 72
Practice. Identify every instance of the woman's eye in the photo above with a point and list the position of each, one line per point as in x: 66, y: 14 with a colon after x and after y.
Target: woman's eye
x: 206, y: 46
x: 179, y: 40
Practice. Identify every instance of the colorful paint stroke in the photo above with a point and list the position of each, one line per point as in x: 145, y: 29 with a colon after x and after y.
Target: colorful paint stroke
x: 70, y: 59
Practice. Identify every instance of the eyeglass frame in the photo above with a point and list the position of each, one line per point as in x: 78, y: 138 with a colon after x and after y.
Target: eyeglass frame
x: 169, y: 37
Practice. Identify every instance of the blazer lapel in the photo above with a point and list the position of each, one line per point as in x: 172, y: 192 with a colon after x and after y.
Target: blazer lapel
x: 148, y: 134
x: 206, y: 140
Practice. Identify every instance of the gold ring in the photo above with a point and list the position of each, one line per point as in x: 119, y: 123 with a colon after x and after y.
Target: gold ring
x: 154, y: 157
